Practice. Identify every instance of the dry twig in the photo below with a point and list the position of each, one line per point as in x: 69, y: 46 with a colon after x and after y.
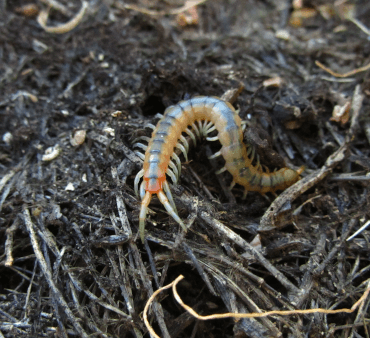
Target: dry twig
x: 48, y: 276
x: 241, y: 315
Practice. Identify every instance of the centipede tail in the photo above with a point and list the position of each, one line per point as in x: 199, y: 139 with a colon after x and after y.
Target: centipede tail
x: 204, y: 115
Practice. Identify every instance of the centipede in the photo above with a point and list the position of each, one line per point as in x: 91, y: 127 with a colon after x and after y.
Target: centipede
x: 198, y: 117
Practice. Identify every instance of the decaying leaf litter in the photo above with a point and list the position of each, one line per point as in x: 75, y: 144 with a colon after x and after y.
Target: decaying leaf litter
x: 71, y: 105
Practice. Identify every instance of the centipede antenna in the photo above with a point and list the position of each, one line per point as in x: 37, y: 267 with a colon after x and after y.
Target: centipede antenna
x: 245, y: 193
x: 182, y: 148
x: 164, y: 200
x: 223, y: 169
x: 195, y: 128
x: 185, y: 143
x: 191, y: 134
x: 215, y: 155
x: 138, y: 176
x: 174, y: 169
x: 149, y: 125
x: 140, y: 155
x: 143, y: 211
x: 140, y: 145
x: 232, y: 185
x: 170, y: 173
x: 168, y: 193
x: 141, y: 138
x: 178, y: 162
x: 142, y: 190
x: 215, y: 138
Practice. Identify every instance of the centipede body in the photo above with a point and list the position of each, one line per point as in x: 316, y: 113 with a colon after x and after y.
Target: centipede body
x: 203, y: 114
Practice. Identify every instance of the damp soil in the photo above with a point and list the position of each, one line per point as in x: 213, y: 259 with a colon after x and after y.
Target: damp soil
x: 71, y: 106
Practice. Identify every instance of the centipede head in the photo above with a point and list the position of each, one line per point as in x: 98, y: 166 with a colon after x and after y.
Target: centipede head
x: 154, y: 183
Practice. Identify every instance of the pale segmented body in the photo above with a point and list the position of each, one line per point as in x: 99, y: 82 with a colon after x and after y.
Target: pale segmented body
x: 210, y: 113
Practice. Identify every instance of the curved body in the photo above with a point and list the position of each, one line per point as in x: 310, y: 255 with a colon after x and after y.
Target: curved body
x: 210, y: 113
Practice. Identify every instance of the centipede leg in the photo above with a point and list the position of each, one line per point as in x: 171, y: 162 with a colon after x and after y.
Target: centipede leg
x: 195, y: 128
x: 232, y: 185
x: 182, y: 148
x: 204, y: 127
x: 245, y: 193
x: 149, y: 125
x: 142, y: 190
x: 170, y: 173
x: 174, y: 169
x: 200, y: 127
x: 210, y: 128
x: 185, y: 143
x: 143, y: 211
x: 141, y: 138
x: 223, y: 169
x: 140, y: 155
x: 215, y: 155
x: 191, y: 134
x: 215, y: 138
x: 140, y: 145
x: 139, y: 175
x: 300, y: 170
x: 253, y: 153
x: 266, y: 169
x: 164, y: 200
x: 168, y: 193
x: 209, y: 124
x: 178, y: 162
x: 258, y: 166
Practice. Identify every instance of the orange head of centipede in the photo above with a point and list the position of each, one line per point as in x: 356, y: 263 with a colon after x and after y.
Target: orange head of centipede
x: 154, y: 184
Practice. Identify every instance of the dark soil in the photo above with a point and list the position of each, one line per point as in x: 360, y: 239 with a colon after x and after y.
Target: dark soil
x: 72, y: 264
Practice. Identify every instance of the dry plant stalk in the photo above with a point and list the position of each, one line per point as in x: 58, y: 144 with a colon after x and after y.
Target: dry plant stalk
x: 64, y: 28
x: 188, y: 4
x: 240, y: 315
x: 350, y: 73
